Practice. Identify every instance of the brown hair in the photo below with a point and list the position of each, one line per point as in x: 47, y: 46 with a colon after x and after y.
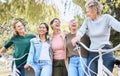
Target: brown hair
x: 47, y: 27
x: 54, y: 20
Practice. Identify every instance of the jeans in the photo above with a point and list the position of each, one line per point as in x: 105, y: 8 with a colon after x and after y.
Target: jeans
x: 43, y: 68
x: 75, y: 66
x: 20, y: 68
x: 108, y: 61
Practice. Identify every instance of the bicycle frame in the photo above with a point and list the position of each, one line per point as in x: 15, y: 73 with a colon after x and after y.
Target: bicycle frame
x: 15, y: 71
x: 102, y: 70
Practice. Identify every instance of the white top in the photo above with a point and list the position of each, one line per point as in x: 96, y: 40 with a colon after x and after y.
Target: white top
x: 44, y: 54
x: 99, y: 30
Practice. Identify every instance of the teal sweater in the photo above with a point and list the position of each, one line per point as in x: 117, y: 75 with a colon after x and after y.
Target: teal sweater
x: 21, y: 47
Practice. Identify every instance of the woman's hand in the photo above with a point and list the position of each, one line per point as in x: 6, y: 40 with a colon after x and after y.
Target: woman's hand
x: 75, y: 39
x: 27, y: 67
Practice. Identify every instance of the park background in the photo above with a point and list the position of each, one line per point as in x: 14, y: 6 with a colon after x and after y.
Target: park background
x: 33, y: 12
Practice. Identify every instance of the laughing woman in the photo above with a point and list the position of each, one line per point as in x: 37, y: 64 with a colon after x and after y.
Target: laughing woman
x: 75, y: 66
x: 57, y: 39
x: 40, y: 57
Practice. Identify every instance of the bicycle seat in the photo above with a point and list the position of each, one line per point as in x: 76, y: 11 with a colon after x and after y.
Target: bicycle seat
x: 117, y: 61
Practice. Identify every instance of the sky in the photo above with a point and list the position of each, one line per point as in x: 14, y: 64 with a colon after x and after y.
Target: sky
x: 67, y: 8
x: 3, y: 1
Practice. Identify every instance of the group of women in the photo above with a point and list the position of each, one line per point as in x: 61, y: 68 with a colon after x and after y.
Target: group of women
x: 53, y: 55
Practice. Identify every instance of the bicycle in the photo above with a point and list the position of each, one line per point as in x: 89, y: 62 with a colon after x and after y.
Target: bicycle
x: 15, y: 71
x: 102, y: 70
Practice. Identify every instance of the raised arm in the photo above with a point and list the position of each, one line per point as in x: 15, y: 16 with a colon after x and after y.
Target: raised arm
x: 115, y: 24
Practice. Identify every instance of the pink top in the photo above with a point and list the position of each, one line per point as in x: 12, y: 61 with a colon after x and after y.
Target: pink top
x: 58, y: 47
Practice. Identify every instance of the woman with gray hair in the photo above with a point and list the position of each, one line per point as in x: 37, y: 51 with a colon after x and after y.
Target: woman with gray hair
x: 98, y: 27
x: 75, y: 66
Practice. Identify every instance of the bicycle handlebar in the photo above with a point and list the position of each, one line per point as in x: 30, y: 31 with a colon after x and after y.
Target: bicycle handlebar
x: 78, y: 43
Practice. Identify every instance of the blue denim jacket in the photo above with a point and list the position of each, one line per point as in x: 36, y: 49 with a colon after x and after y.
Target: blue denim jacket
x: 35, y: 50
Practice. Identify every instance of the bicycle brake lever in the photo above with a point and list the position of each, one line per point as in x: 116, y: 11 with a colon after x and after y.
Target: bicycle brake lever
x: 78, y: 43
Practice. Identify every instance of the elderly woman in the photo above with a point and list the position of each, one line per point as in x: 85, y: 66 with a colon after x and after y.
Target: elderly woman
x: 74, y: 67
x: 98, y: 27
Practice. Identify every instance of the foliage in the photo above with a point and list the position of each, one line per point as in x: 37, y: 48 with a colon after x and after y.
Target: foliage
x: 33, y: 12
x: 109, y: 6
x: 113, y: 7
x: 81, y: 3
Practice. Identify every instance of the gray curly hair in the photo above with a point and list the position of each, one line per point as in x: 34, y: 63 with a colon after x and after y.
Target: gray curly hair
x: 94, y: 4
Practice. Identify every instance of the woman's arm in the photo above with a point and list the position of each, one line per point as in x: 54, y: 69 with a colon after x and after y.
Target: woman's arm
x: 82, y: 30
x: 31, y: 53
x: 115, y: 24
x: 2, y: 50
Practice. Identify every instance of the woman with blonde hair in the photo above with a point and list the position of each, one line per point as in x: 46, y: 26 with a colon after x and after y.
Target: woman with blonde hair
x: 21, y: 42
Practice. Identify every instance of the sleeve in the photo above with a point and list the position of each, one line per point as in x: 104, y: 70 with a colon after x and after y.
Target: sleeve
x: 82, y: 29
x: 115, y: 24
x: 33, y: 36
x: 9, y: 43
x: 31, y: 53
x: 66, y: 43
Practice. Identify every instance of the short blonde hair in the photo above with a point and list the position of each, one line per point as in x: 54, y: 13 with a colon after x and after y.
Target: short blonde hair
x: 96, y: 4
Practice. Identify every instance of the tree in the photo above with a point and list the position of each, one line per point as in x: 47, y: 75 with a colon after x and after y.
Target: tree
x: 112, y: 7
x: 109, y: 6
x: 33, y: 12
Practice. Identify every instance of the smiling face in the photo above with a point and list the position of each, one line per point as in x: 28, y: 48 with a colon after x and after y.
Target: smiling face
x: 73, y: 25
x: 93, y: 9
x: 55, y: 24
x: 19, y: 27
x: 42, y: 29
x: 91, y: 12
